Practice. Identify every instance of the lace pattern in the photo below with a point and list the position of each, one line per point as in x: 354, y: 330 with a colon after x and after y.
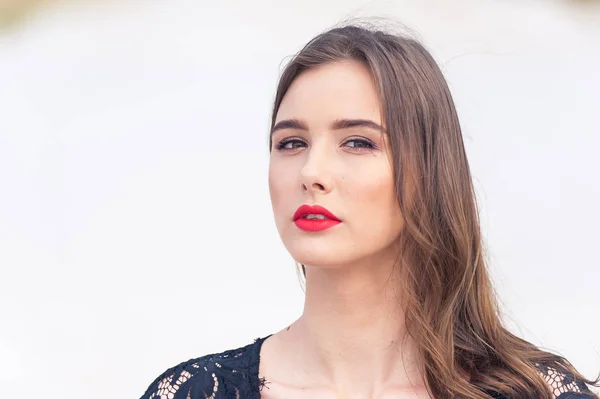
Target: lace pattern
x: 564, y: 386
x: 232, y: 374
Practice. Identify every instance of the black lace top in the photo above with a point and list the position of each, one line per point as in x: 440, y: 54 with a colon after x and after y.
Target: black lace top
x: 233, y: 374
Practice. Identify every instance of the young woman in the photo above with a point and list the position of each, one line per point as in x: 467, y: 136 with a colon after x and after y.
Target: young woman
x: 372, y: 195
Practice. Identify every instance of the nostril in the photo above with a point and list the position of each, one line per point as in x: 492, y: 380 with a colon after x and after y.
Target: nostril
x: 314, y: 186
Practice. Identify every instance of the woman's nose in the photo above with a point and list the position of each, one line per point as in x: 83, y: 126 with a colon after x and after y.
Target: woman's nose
x: 316, y: 171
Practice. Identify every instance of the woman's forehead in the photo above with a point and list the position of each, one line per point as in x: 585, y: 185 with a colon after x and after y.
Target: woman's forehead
x: 333, y: 91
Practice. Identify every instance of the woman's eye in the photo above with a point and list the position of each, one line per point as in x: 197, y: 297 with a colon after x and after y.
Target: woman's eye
x: 360, y: 144
x: 291, y: 144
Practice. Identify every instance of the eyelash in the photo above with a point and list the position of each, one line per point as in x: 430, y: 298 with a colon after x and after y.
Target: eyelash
x: 368, y: 144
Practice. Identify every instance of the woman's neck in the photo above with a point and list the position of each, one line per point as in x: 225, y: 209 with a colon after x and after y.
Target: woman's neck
x: 350, y: 335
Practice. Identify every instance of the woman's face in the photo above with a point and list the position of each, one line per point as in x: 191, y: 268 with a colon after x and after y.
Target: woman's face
x: 328, y: 150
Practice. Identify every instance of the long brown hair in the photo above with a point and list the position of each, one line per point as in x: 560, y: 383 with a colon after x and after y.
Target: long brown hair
x: 451, y: 310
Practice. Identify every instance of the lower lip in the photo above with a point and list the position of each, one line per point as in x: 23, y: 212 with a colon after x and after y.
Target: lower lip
x: 315, y: 224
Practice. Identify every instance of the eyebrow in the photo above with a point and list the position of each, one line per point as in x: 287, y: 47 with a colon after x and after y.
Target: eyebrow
x: 337, y: 124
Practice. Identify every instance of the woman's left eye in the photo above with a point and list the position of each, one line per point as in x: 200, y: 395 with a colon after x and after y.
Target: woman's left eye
x: 360, y: 144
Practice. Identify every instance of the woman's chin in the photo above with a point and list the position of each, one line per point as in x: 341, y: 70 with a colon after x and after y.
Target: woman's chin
x: 328, y: 259
x: 326, y: 252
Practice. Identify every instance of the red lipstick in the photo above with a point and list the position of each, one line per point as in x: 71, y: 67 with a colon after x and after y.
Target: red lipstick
x: 325, y: 221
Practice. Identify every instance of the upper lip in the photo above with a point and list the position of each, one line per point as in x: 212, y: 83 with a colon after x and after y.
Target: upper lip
x: 314, y: 210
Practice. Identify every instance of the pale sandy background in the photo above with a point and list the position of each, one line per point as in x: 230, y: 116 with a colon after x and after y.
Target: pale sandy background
x: 135, y: 224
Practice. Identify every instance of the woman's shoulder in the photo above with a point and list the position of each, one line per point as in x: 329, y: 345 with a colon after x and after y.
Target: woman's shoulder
x: 564, y: 384
x: 231, y: 373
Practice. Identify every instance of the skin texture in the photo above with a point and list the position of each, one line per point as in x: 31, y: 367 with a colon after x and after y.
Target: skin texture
x: 348, y: 341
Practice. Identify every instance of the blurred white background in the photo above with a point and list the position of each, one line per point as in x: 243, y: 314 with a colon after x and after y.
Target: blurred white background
x: 135, y: 224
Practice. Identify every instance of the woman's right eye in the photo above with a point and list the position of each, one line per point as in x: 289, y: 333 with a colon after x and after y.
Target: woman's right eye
x: 290, y: 144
